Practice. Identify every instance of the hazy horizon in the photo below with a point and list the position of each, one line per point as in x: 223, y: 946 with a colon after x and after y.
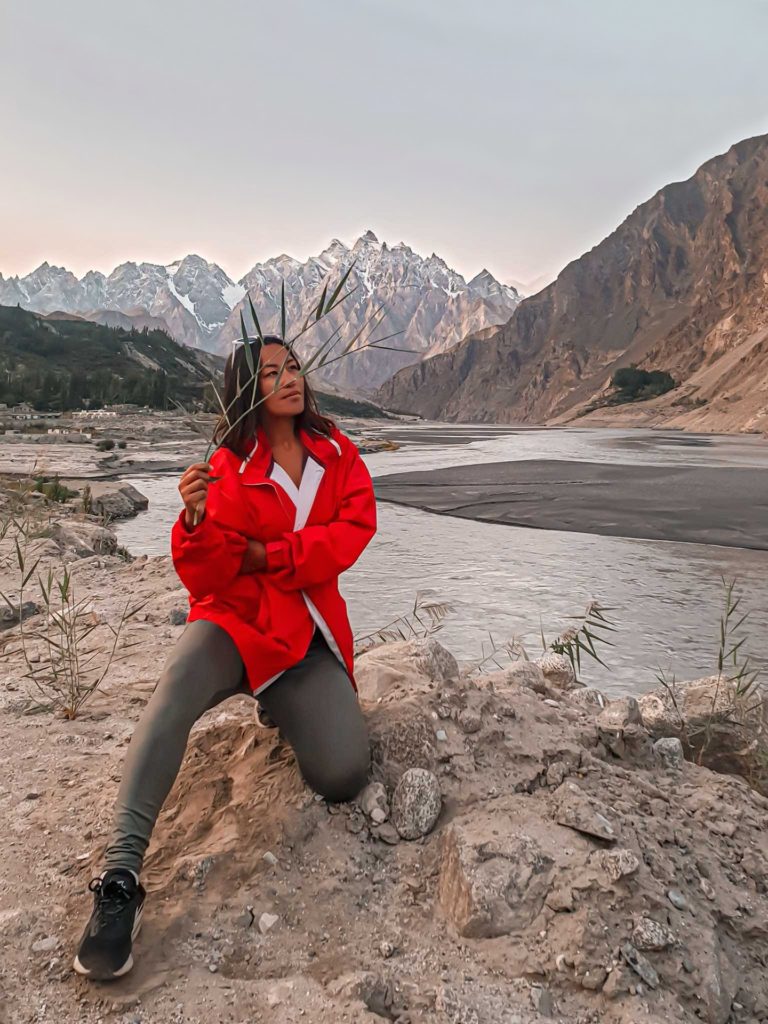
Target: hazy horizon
x: 508, y: 136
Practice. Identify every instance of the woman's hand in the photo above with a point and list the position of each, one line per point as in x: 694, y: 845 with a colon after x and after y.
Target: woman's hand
x: 193, y: 488
x: 255, y: 557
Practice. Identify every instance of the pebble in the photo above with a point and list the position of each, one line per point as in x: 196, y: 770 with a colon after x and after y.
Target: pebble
x: 45, y: 945
x: 270, y: 858
x: 416, y: 803
x: 212, y: 968
x: 677, y: 899
x: 387, y: 950
x: 669, y: 751
x: 267, y: 921
x: 470, y: 721
x: 442, y: 735
x: 640, y: 965
x: 551, y: 703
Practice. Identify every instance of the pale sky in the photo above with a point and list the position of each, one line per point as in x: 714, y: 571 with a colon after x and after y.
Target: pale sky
x: 511, y: 135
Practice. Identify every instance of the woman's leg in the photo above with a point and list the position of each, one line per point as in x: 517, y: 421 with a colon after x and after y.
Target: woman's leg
x: 202, y: 670
x: 317, y: 710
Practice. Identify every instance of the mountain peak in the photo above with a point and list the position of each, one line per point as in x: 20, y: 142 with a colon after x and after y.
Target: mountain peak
x: 369, y: 236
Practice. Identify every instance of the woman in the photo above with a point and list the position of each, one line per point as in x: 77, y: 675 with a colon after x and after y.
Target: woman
x: 285, y: 505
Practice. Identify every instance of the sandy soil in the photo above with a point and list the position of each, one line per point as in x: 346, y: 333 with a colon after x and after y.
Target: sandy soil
x: 682, y: 503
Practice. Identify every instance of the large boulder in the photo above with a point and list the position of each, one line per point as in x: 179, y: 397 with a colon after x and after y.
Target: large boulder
x: 718, y: 725
x: 119, y: 502
x: 391, y: 671
x: 83, y: 539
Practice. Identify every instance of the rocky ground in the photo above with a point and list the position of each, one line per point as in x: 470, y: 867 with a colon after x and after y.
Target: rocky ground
x: 526, y: 852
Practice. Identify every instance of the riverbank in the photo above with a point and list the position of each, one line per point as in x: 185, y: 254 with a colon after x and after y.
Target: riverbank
x: 529, y: 854
x: 698, y: 504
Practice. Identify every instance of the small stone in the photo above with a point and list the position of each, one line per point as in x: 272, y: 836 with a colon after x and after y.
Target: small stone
x: 669, y: 752
x: 640, y: 965
x: 560, y: 900
x: 45, y: 945
x: 575, y: 809
x: 542, y: 1000
x: 267, y: 921
x: 442, y: 735
x: 270, y: 858
x: 556, y: 772
x: 593, y: 979
x: 619, y: 981
x: 387, y: 833
x: 355, y: 824
x: 374, y: 802
x: 32, y: 796
x: 470, y: 720
x: 652, y: 935
x: 677, y: 899
x: 588, y: 697
x: 558, y: 670
x: 707, y: 888
x: 387, y: 950
x: 416, y: 803
x: 616, y: 864
x: 178, y: 616
x: 551, y: 703
x: 212, y: 968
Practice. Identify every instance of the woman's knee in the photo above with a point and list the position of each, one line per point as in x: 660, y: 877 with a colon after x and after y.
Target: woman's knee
x: 340, y: 777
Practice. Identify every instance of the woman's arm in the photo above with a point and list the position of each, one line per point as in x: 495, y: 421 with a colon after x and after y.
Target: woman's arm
x: 316, y: 554
x: 207, y: 556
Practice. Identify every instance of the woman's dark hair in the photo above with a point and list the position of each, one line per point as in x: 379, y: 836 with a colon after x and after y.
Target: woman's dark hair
x: 237, y: 374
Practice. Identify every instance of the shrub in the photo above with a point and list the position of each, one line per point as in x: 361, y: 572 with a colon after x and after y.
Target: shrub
x: 106, y: 444
x: 633, y: 384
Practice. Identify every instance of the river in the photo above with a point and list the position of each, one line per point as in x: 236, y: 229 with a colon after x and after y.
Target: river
x: 506, y: 582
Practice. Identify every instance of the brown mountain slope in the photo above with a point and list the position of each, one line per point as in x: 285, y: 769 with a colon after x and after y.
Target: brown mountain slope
x: 681, y: 285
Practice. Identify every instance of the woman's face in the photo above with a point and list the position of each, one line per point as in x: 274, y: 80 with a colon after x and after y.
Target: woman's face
x: 288, y: 400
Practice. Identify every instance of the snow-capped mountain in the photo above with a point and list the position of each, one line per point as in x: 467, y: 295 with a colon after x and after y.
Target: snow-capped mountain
x: 431, y: 306
x: 428, y: 305
x: 192, y: 296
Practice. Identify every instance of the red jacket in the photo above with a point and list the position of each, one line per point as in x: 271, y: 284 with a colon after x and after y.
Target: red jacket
x: 312, y: 534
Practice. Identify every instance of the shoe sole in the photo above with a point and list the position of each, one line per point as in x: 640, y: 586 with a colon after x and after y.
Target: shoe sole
x: 85, y: 973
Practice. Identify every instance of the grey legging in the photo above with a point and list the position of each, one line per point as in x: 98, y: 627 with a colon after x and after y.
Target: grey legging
x: 313, y: 704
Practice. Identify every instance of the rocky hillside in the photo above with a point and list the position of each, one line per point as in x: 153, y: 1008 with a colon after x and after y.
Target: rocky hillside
x: 200, y: 305
x: 681, y: 286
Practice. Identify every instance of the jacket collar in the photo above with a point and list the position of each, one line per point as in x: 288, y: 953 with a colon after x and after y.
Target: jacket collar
x: 256, y: 463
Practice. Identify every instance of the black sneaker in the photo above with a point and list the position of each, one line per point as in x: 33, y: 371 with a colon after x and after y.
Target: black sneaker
x: 105, y: 948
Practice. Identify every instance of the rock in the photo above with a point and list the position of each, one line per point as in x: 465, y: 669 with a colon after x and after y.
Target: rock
x: 556, y: 772
x: 520, y: 673
x: 640, y: 965
x: 266, y: 922
x: 486, y: 890
x: 416, y: 803
x: 392, y: 671
x: 542, y: 1001
x: 717, y: 726
x: 83, y: 539
x: 652, y: 935
x: 374, y: 803
x: 588, y: 697
x: 619, y: 725
x: 470, y: 720
x: 573, y: 808
x: 46, y: 945
x: 615, y: 864
x: 676, y: 898
x: 119, y: 501
x: 270, y: 858
x: 558, y: 670
x: 401, y: 738
x: 560, y: 900
x: 719, y: 980
x: 618, y: 982
x: 387, y: 833
x: 669, y: 752
x: 387, y: 949
x: 178, y: 616
x: 10, y: 618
